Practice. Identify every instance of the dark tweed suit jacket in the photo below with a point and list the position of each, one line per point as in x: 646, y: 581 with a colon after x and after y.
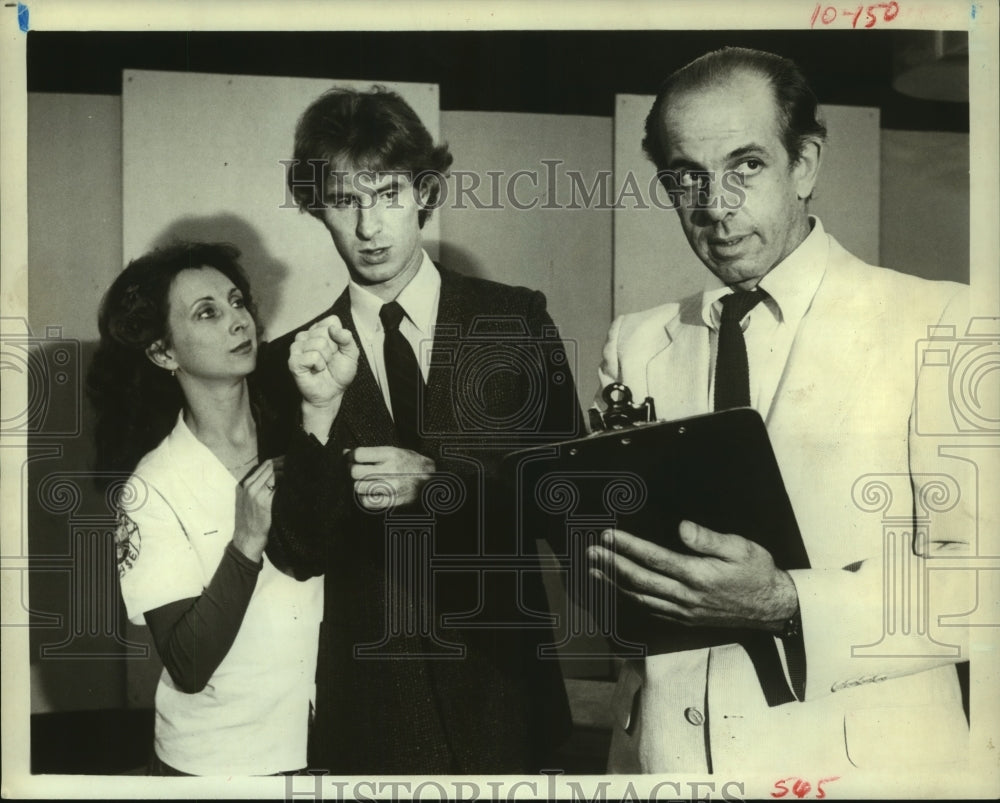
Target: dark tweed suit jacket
x: 439, y: 696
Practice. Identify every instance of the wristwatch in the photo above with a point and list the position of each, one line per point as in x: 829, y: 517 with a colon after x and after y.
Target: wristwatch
x: 792, y: 627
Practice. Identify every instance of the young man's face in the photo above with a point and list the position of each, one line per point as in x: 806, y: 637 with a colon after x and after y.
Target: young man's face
x: 373, y: 220
x: 733, y: 126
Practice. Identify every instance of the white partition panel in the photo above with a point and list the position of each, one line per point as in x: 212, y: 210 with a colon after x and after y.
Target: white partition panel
x: 561, y: 245
x: 202, y: 159
x: 653, y: 262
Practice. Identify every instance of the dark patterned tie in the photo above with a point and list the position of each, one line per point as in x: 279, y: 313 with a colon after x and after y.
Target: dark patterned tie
x: 403, y: 375
x: 732, y: 374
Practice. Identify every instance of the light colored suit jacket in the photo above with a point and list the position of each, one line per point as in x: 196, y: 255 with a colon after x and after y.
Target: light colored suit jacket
x: 840, y: 425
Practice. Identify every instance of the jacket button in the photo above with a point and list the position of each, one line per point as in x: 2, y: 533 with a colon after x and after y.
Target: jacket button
x: 694, y: 716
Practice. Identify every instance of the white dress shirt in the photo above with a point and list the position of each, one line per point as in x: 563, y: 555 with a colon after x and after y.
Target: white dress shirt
x: 419, y: 300
x: 769, y: 328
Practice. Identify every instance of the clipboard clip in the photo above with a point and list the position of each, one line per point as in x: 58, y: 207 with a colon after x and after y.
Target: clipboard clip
x: 621, y: 412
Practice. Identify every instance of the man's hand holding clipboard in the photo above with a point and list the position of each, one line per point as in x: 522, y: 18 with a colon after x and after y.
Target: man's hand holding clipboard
x: 688, y: 522
x: 730, y: 582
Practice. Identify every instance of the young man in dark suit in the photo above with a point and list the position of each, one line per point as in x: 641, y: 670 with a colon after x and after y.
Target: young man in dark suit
x: 434, y: 604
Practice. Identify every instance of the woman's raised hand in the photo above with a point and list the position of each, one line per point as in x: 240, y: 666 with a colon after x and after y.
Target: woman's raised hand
x: 253, y: 510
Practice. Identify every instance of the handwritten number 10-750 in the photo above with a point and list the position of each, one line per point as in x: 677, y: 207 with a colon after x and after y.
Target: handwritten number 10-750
x: 827, y: 15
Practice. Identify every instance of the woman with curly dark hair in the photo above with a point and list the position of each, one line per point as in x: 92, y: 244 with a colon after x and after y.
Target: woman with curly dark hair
x: 237, y: 637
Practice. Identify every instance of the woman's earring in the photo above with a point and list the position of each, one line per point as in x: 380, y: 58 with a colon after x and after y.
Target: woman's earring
x: 173, y: 373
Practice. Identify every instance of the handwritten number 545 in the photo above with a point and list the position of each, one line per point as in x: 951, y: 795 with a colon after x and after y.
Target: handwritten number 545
x: 800, y: 787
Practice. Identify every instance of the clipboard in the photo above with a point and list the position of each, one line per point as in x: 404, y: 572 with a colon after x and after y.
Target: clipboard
x: 718, y: 470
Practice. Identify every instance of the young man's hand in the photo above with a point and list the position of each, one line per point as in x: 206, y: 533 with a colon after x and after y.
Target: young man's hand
x: 324, y: 361
x: 386, y: 476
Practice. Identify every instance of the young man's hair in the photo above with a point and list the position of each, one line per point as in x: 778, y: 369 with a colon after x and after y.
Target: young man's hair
x: 794, y: 99
x: 377, y: 131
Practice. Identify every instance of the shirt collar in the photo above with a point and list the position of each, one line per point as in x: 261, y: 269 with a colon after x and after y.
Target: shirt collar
x: 187, y: 450
x: 790, y: 285
x: 418, y: 299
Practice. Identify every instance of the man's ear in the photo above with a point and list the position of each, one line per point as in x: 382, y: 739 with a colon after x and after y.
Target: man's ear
x: 425, y: 189
x: 160, y: 356
x: 806, y: 170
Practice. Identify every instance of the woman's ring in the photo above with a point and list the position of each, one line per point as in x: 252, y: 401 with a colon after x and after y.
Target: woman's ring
x: 270, y: 488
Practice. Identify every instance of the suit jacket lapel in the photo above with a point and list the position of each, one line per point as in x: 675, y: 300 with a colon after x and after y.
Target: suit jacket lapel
x: 438, y: 407
x: 677, y: 373
x: 363, y: 411
x: 837, y: 323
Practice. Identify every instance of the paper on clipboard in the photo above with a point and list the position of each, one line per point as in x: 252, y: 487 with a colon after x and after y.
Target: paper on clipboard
x: 717, y: 470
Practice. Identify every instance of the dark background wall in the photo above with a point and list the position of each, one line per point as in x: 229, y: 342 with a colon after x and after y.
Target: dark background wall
x: 551, y: 72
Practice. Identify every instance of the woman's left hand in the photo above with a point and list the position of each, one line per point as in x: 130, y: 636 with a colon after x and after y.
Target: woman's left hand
x: 254, y: 496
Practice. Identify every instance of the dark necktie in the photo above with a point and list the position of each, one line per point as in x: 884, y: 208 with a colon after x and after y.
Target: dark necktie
x: 732, y: 374
x: 732, y: 389
x: 403, y: 375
